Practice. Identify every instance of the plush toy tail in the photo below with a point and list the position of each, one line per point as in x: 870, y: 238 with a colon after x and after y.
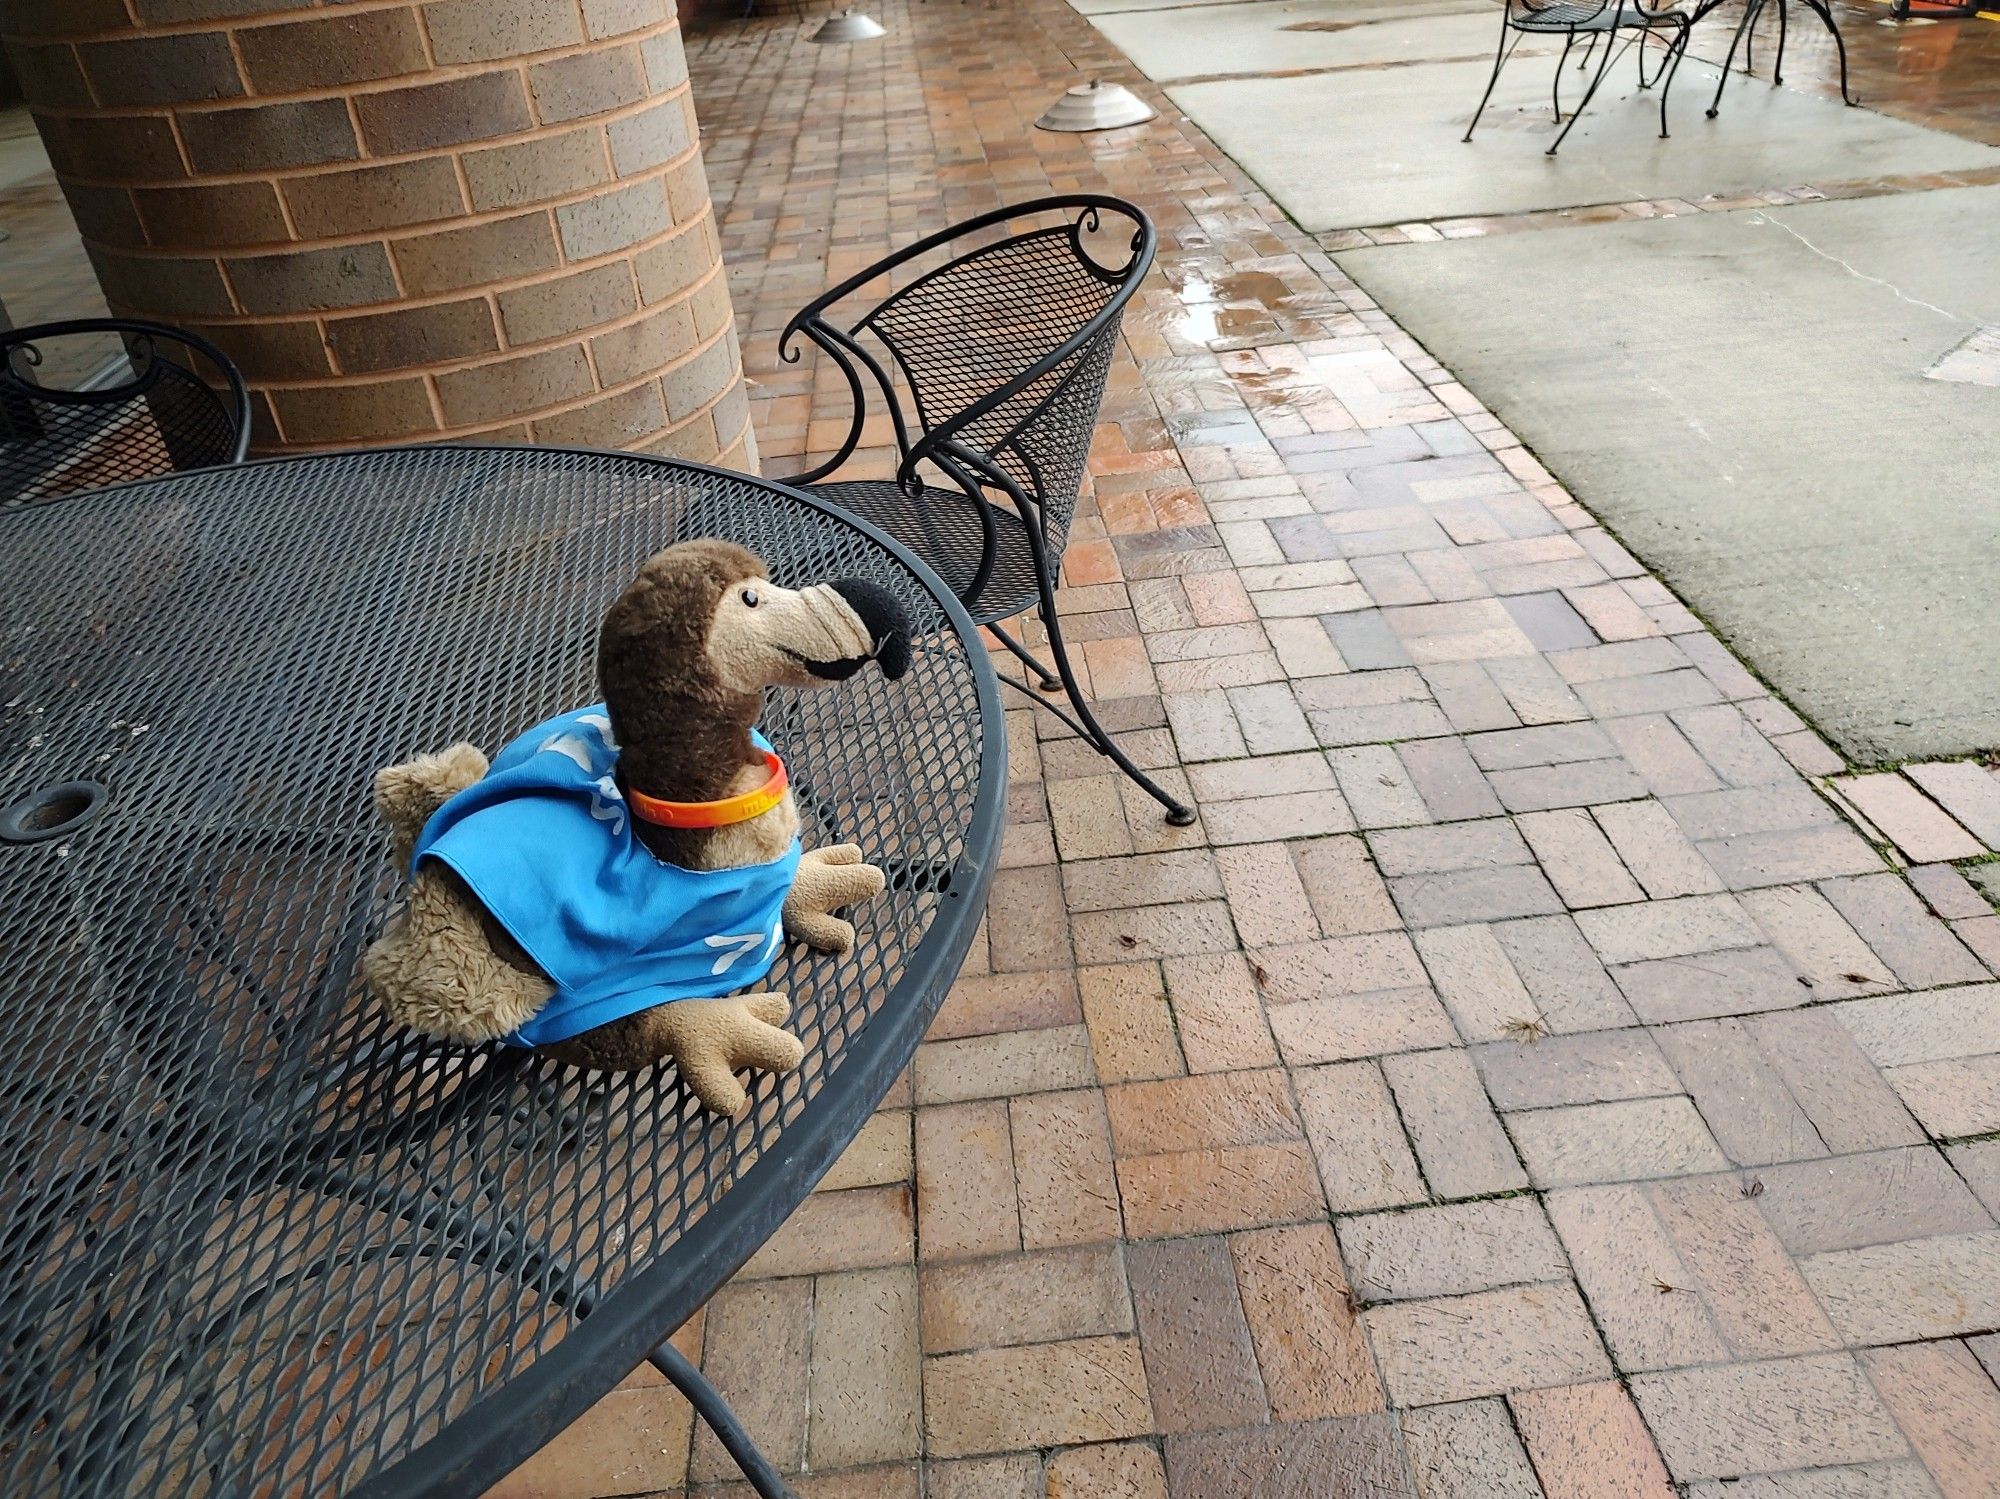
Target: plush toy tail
x: 406, y: 795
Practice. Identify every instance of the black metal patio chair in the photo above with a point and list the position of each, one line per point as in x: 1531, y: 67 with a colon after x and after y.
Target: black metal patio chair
x: 1746, y: 35
x: 1002, y: 328
x: 162, y: 400
x: 1596, y: 21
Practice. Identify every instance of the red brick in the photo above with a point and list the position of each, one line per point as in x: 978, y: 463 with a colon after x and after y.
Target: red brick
x: 1753, y: 1293
x: 1211, y: 1191
x: 453, y: 259
x: 321, y: 54
x: 1496, y: 1342
x: 269, y: 137
x: 1460, y: 1144
x: 1357, y: 1138
x: 840, y: 1231
x: 1622, y: 1258
x: 1948, y: 1408
x: 1109, y: 1470
x: 758, y: 1356
x: 1048, y: 1296
x: 1310, y: 1347
x: 1217, y: 1013
x: 1131, y: 1025
x: 481, y: 30
x: 1765, y: 1417
x: 1467, y: 1450
x: 1909, y: 819
x: 1267, y: 901
x: 1199, y: 1363
x: 513, y: 387
x: 1051, y: 1394
x: 329, y: 204
x: 1351, y: 1457
x: 864, y: 1386
x: 1201, y: 1113
x: 965, y: 1182
x: 1067, y: 1189
x: 177, y: 68
x: 983, y: 1004
x: 452, y: 112
x: 424, y: 335
x: 1589, y: 1443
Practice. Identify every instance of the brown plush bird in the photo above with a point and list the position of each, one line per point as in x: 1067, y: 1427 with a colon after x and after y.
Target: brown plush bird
x: 684, y: 657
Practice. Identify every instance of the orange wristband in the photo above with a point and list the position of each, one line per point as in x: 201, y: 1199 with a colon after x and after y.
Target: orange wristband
x: 716, y: 814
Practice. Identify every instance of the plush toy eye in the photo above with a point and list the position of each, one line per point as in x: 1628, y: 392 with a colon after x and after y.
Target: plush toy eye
x: 749, y: 598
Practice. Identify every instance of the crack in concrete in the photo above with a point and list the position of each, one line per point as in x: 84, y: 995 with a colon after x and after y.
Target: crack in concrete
x: 1894, y: 290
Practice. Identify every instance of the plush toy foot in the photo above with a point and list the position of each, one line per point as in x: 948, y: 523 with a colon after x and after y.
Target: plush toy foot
x: 828, y: 879
x: 710, y: 1040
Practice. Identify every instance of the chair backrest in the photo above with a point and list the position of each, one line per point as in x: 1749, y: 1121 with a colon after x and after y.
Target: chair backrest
x: 160, y: 400
x: 1002, y: 328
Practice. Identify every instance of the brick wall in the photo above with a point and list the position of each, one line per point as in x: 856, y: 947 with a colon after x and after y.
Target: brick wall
x: 480, y: 219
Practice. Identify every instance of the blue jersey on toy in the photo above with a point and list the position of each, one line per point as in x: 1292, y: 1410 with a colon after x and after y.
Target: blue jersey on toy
x: 544, y: 840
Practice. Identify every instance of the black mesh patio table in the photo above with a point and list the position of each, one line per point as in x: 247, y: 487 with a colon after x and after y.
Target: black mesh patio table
x: 254, y: 1239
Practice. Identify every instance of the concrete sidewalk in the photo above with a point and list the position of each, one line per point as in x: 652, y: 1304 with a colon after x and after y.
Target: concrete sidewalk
x: 1525, y: 1080
x: 1725, y: 360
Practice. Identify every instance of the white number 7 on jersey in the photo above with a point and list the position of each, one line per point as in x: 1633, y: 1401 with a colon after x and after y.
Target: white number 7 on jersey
x: 741, y: 946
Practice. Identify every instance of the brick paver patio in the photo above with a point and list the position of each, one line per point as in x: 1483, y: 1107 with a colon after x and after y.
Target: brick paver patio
x: 1529, y: 1078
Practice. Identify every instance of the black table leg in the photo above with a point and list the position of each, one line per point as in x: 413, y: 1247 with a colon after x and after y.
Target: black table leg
x: 714, y: 1410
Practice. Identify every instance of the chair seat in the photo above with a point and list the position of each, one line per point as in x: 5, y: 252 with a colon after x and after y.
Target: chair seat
x: 1589, y: 15
x: 942, y: 527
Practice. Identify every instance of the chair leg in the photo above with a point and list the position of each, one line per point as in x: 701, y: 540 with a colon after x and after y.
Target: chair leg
x: 1778, y: 67
x: 1742, y: 30
x: 1825, y: 13
x: 721, y: 1420
x: 1499, y: 62
x: 1675, y: 52
x: 1047, y: 680
x: 1603, y: 67
x: 1556, y: 83
x: 1179, y: 813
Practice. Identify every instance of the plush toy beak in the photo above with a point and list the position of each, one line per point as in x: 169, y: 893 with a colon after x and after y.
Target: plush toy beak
x: 887, y: 625
x: 865, y: 613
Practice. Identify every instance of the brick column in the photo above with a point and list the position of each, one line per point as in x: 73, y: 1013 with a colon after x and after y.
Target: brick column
x: 478, y: 219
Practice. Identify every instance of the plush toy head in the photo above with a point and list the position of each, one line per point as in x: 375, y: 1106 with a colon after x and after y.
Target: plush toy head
x: 705, y: 618
x: 687, y: 650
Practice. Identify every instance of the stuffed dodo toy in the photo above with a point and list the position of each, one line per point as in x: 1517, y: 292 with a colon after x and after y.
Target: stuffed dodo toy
x: 592, y: 890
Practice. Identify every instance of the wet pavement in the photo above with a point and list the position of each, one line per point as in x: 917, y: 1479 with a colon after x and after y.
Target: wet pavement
x: 1725, y: 360
x: 1543, y: 1070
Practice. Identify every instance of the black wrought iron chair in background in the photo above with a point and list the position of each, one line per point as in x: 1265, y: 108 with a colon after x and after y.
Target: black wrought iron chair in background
x: 1596, y: 21
x: 168, y: 401
x: 1746, y: 33
x: 1004, y: 344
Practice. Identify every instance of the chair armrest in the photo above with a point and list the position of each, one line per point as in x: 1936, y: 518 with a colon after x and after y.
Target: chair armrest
x: 852, y: 358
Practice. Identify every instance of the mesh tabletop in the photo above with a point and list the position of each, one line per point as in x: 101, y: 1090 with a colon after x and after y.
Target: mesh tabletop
x: 254, y: 1239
